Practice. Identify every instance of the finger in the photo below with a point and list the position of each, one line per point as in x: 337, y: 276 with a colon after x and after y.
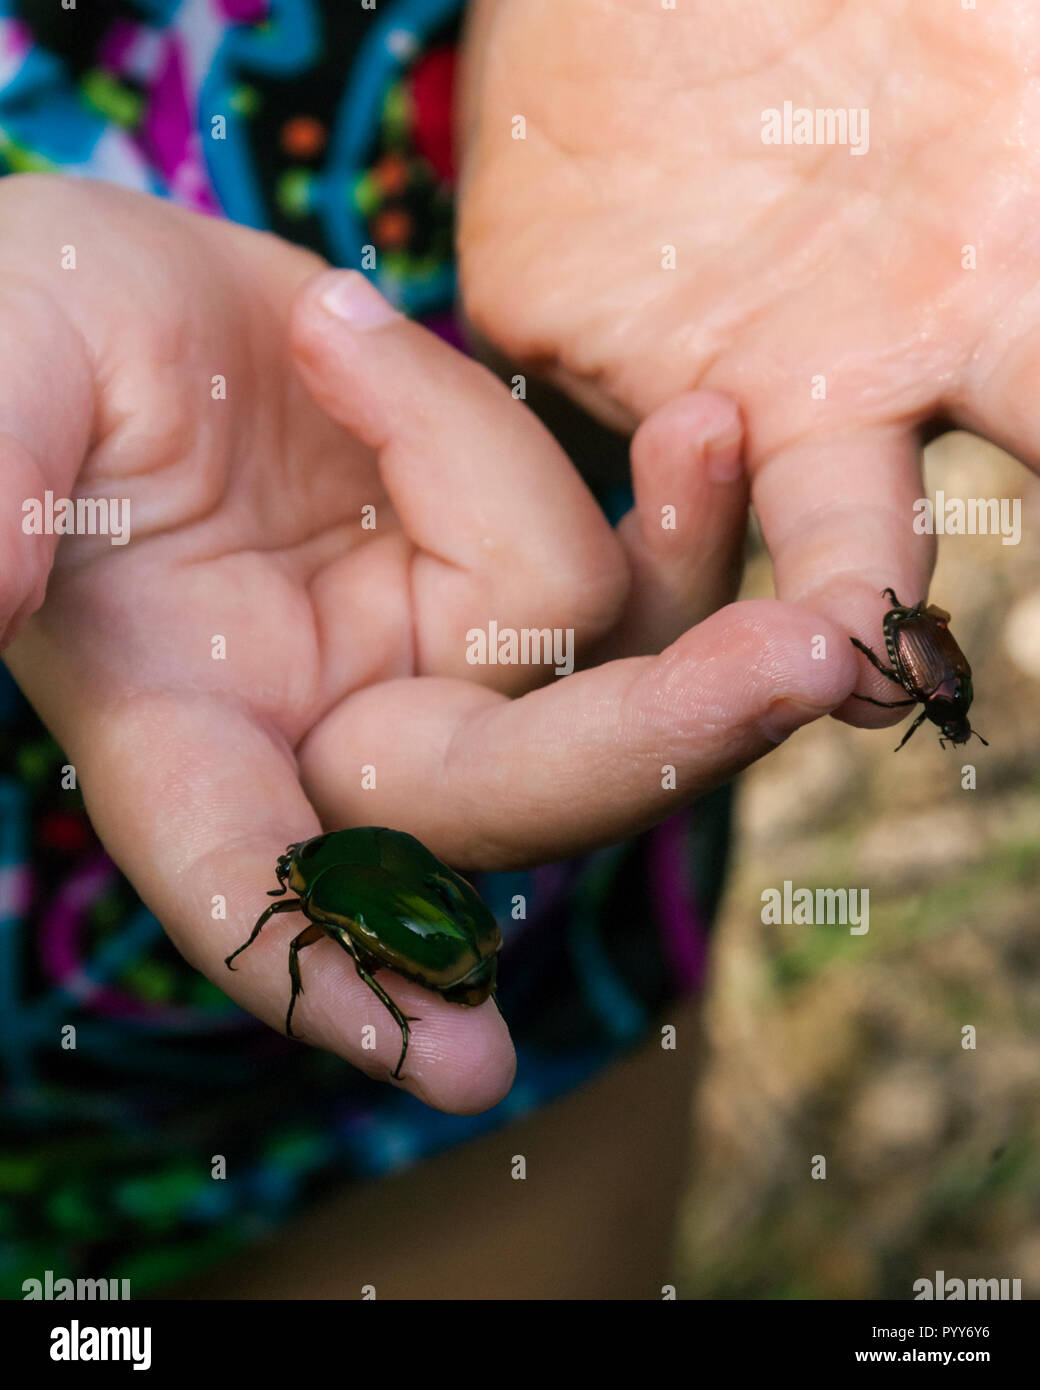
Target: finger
x: 506, y: 528
x: 499, y: 784
x: 195, y: 803
x: 998, y: 401
x: 44, y: 435
x: 837, y: 514
x: 684, y: 537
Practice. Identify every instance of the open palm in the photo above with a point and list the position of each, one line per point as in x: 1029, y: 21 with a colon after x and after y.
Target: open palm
x: 844, y: 299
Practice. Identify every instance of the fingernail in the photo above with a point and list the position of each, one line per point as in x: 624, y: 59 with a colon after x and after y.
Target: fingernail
x: 357, y: 301
x: 784, y: 716
x: 722, y: 453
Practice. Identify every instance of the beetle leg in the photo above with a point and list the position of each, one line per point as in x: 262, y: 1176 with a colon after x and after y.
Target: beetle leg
x: 307, y: 937
x: 876, y: 662
x: 292, y: 905
x: 885, y: 704
x: 402, y: 1020
x: 913, y: 727
x: 891, y: 593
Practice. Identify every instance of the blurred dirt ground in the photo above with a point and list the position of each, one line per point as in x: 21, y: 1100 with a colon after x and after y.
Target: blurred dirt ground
x: 850, y: 1046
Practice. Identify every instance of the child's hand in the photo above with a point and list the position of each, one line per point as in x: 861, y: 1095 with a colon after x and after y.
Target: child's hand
x: 796, y: 266
x: 221, y: 681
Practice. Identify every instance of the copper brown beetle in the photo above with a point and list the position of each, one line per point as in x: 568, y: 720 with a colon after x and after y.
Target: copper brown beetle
x: 929, y: 665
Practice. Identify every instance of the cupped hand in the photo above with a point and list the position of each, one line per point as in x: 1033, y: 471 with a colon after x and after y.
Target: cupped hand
x: 324, y: 500
x: 844, y: 299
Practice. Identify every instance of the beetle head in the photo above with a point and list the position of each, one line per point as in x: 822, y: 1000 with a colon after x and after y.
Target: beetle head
x: 959, y: 731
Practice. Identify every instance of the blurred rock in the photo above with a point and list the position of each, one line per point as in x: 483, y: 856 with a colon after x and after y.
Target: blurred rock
x: 898, y: 1115
x: 1022, y: 634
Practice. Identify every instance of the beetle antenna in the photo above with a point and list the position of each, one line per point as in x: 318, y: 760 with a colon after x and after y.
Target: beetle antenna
x: 980, y: 738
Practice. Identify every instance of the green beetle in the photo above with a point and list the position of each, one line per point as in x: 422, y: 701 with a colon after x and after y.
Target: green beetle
x: 388, y: 902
